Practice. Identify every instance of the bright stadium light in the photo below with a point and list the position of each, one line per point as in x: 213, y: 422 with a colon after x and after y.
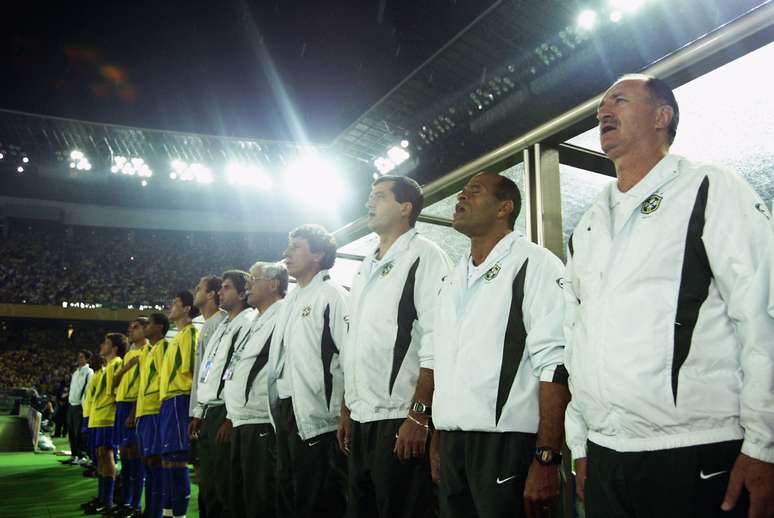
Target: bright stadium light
x: 587, y: 19
x: 247, y: 175
x: 25, y: 160
x: 20, y: 169
x: 201, y: 173
x: 626, y: 6
x: 79, y: 161
x: 144, y: 183
x: 312, y: 179
x: 384, y: 165
x: 397, y: 155
x: 404, y: 143
x: 2, y: 156
x: 616, y: 16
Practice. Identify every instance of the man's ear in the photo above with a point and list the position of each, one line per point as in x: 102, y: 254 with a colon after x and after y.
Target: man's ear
x: 664, y: 116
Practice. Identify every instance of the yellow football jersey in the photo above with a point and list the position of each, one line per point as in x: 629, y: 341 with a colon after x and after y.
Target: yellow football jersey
x: 103, y: 407
x: 178, y: 365
x: 90, y: 388
x: 148, y: 402
x: 129, y: 385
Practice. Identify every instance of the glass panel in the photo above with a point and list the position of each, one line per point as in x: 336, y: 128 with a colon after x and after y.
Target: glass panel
x: 725, y: 119
x: 344, y: 270
x: 363, y: 246
x: 579, y: 190
x: 452, y: 242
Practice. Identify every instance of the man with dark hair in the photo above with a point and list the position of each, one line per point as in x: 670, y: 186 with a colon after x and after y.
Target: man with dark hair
x: 500, y: 386
x: 78, y: 382
x: 127, y: 383
x: 306, y: 385
x: 175, y: 378
x: 102, y: 420
x: 210, y: 427
x: 388, y: 360
x: 207, y: 301
x: 404, y: 190
x: 147, y: 411
x: 506, y: 190
x: 670, y: 324
x: 253, y: 452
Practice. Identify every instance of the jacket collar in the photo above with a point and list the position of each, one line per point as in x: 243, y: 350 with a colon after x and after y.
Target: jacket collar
x: 398, y: 247
x: 500, y: 250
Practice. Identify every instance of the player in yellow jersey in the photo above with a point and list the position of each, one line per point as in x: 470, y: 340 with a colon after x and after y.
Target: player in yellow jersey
x: 127, y: 383
x: 147, y: 411
x: 102, y: 414
x: 175, y: 393
x: 96, y: 362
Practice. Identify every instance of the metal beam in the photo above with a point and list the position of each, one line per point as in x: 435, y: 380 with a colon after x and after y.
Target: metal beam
x: 585, y: 159
x: 435, y: 220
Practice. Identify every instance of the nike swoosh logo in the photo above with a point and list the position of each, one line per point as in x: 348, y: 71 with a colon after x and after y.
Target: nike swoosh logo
x: 264, y: 434
x: 705, y: 477
x: 313, y: 443
x: 503, y: 481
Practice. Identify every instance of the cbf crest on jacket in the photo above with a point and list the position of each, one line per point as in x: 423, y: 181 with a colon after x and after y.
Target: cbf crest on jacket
x: 670, y: 290
x: 498, y: 334
x: 392, y: 309
x: 304, y: 361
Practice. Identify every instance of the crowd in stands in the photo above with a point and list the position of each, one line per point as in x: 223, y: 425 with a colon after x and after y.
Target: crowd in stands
x: 46, y: 263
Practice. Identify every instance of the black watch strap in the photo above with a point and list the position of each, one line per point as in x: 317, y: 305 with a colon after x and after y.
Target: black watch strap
x: 548, y: 457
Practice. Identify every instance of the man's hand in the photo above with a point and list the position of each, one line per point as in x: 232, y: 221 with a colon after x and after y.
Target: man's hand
x: 758, y: 477
x: 130, y: 421
x: 194, y: 427
x: 581, y: 466
x: 344, y: 433
x: 412, y: 438
x: 435, y: 457
x: 224, y: 432
x: 540, y: 490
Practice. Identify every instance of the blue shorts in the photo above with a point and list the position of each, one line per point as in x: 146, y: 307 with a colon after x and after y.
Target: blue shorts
x: 148, y: 435
x: 104, y: 437
x: 174, y: 424
x: 124, y: 436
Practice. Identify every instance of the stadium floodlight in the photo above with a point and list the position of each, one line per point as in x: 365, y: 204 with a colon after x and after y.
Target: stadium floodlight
x: 20, y: 169
x: 2, y: 156
x: 587, y: 20
x: 313, y: 179
x: 25, y: 160
x: 144, y: 183
x: 247, y: 175
x: 79, y: 161
x: 397, y: 155
x: 201, y: 173
x: 616, y: 16
x: 404, y: 143
x: 384, y: 165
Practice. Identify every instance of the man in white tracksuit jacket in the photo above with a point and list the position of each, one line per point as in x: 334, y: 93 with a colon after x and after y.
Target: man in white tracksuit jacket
x: 670, y: 290
x: 500, y: 383
x: 306, y: 385
x: 253, y: 452
x: 388, y: 360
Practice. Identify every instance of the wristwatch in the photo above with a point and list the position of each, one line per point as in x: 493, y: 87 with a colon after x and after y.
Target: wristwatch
x: 421, y: 408
x: 548, y: 457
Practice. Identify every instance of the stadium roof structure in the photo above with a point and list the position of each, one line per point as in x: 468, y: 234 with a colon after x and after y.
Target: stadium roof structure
x: 520, y: 63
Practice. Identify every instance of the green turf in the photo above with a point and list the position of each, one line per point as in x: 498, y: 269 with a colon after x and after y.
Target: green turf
x: 37, y: 485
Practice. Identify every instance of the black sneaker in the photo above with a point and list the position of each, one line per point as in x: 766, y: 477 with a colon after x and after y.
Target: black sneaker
x: 95, y: 509
x: 93, y: 501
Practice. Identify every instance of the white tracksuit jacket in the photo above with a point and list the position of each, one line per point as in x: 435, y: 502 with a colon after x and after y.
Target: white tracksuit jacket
x: 670, y: 317
x: 392, y: 305
x: 311, y: 327
x: 211, y: 383
x: 246, y: 392
x: 498, y: 334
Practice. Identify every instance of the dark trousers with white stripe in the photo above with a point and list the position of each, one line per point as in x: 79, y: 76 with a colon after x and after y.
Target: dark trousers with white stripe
x: 253, y: 466
x: 214, y: 466
x: 676, y: 483
x: 483, y: 473
x: 311, y: 473
x: 380, y: 485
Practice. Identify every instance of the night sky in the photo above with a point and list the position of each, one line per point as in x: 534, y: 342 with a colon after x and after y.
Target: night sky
x: 206, y: 67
